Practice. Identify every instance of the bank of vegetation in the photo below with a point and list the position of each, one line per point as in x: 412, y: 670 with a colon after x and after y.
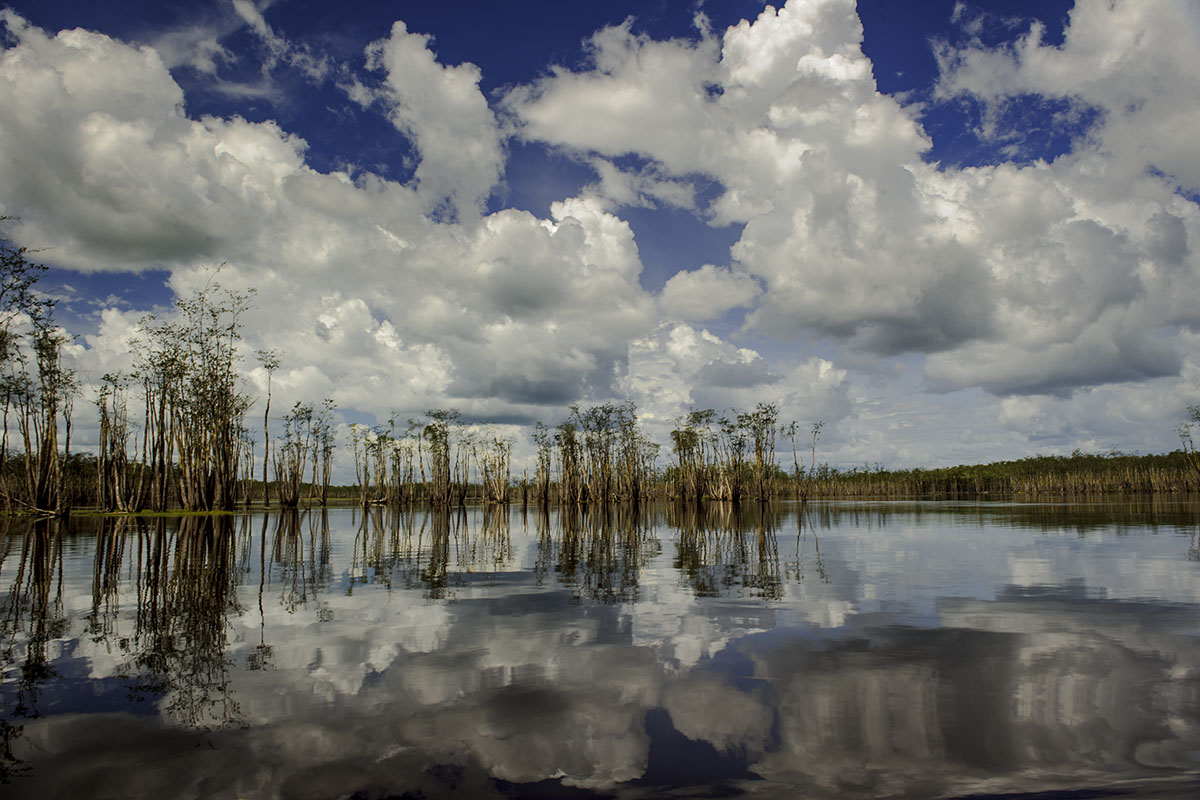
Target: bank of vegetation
x: 175, y: 434
x: 1037, y: 476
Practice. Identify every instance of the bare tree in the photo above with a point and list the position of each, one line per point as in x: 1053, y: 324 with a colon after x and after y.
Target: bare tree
x: 291, y: 456
x: 195, y: 409
x: 270, y: 361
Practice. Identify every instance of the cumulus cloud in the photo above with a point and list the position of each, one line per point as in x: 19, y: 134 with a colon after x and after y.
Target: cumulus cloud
x: 644, y: 187
x: 367, y: 294
x: 706, y: 293
x: 1128, y: 59
x: 678, y: 368
x: 1019, y: 279
x: 442, y: 110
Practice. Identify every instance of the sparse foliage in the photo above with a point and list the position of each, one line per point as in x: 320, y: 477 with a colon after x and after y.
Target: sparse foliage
x: 195, y: 408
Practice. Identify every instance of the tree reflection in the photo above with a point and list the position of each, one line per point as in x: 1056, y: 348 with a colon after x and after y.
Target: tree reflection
x: 401, y: 547
x: 262, y: 656
x: 302, y: 553
x: 33, y: 618
x: 1120, y: 515
x: 436, y: 574
x: 727, y: 548
x: 185, y: 585
x: 106, y: 576
x: 598, y: 551
x: 434, y: 549
x: 796, y: 569
x: 486, y: 547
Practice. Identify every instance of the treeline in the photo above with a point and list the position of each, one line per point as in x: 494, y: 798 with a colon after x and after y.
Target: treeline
x: 597, y: 455
x: 1037, y: 476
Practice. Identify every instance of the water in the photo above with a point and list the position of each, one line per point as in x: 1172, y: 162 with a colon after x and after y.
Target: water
x: 853, y: 650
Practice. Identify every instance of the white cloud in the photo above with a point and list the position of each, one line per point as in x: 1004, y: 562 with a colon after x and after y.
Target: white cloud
x: 1131, y: 60
x: 706, y: 293
x: 369, y: 299
x: 638, y: 91
x: 1018, y: 279
x: 679, y: 368
x: 442, y: 110
x: 198, y: 48
x: 644, y: 187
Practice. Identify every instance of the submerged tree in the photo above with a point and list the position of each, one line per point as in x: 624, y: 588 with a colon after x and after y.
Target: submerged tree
x: 360, y: 448
x: 41, y: 398
x: 602, y: 455
x: 545, y: 457
x: 443, y: 473
x: 812, y: 466
x: 759, y: 426
x: 491, y: 454
x: 1189, y: 444
x: 790, y: 430
x: 291, y: 457
x: 571, y: 486
x: 324, y: 444
x: 692, y: 441
x: 121, y: 482
x: 270, y: 361
x: 195, y: 410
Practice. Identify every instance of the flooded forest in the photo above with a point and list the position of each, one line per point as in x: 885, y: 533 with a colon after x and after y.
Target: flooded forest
x: 176, y: 432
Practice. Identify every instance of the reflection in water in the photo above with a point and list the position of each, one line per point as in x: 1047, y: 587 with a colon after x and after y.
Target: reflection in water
x: 1111, y: 514
x: 33, y: 618
x: 437, y: 550
x: 722, y: 546
x: 185, y: 584
x: 300, y: 553
x: 36, y: 609
x: 828, y: 650
x: 596, y: 552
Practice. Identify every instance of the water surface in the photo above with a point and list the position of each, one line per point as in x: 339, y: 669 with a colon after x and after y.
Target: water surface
x: 932, y: 649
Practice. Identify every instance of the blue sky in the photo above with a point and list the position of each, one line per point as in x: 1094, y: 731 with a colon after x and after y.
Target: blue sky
x: 953, y: 231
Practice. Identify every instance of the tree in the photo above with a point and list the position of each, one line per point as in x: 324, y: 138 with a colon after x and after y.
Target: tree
x: 270, y: 362
x: 18, y: 300
x: 40, y: 403
x: 323, y: 446
x: 759, y: 426
x: 692, y: 441
x: 1189, y: 444
x: 121, y: 485
x: 195, y: 408
x: 437, y: 434
x: 292, y: 455
x: 40, y: 399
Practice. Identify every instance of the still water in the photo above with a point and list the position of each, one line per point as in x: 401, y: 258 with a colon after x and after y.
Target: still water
x: 931, y: 649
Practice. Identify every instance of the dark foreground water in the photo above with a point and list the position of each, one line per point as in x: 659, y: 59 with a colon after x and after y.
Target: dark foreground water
x: 852, y: 650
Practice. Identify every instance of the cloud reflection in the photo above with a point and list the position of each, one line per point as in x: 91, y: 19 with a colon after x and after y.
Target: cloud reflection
x: 468, y: 655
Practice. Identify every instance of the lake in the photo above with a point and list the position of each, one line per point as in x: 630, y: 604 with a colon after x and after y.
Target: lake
x: 843, y: 649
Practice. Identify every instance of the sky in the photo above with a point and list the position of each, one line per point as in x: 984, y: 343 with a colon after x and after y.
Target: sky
x: 954, y: 232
